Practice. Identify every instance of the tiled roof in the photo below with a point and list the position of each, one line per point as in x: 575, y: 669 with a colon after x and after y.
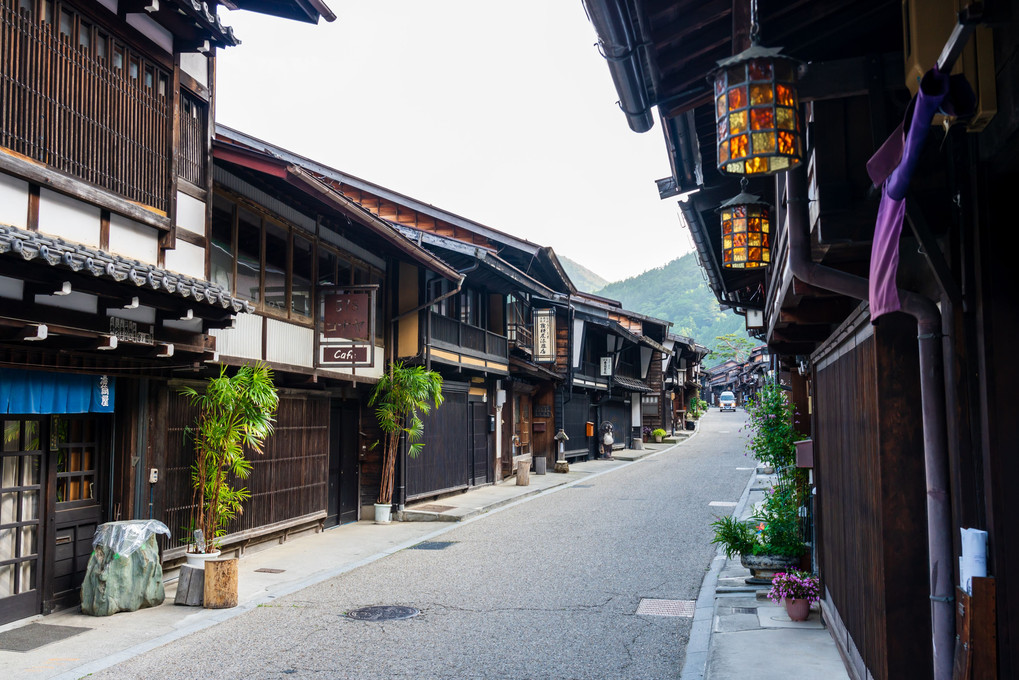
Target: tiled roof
x: 100, y: 264
x: 631, y: 384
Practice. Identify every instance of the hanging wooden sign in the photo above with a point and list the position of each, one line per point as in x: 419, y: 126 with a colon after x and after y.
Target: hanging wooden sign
x: 346, y: 326
x: 544, y: 335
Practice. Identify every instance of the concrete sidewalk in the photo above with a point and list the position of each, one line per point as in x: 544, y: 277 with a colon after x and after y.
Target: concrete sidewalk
x: 272, y: 570
x: 738, y: 632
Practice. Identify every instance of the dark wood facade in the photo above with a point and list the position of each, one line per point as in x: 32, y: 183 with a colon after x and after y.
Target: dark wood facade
x: 875, y: 397
x: 105, y: 124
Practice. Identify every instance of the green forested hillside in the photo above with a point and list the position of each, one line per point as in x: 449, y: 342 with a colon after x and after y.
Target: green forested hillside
x: 677, y: 292
x: 583, y: 278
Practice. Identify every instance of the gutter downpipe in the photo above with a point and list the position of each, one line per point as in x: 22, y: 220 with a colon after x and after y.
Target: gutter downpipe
x: 618, y: 44
x: 401, y: 489
x: 932, y: 381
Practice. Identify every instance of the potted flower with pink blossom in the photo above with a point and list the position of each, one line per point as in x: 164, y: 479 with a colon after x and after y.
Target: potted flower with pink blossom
x: 798, y: 589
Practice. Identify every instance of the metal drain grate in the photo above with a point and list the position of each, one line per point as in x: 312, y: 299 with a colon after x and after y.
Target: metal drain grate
x: 269, y: 570
x: 744, y: 610
x: 649, y: 607
x: 432, y: 545
x: 385, y: 612
x: 434, y: 507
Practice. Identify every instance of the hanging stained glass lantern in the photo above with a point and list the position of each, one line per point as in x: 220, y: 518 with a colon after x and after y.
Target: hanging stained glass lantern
x: 746, y: 232
x: 756, y: 105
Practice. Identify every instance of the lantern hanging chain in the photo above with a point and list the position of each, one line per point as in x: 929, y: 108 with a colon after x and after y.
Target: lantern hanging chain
x: 755, y: 28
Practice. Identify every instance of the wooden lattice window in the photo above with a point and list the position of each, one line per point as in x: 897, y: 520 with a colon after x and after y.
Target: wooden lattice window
x: 81, y: 101
x: 191, y: 156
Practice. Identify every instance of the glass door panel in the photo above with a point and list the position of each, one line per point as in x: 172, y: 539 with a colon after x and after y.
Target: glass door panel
x: 20, y: 517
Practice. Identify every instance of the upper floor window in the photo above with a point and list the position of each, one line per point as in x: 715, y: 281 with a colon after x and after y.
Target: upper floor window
x: 192, y: 154
x: 274, y: 264
x: 84, y: 103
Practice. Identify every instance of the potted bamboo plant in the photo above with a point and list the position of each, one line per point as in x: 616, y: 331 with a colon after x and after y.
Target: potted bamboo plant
x: 402, y: 394
x: 236, y: 414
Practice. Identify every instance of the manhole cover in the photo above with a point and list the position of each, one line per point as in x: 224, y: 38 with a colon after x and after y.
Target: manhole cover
x: 651, y: 607
x: 432, y: 545
x: 385, y: 612
x: 270, y: 570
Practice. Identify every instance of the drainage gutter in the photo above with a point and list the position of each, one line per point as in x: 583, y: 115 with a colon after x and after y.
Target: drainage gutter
x: 932, y: 385
x: 618, y: 43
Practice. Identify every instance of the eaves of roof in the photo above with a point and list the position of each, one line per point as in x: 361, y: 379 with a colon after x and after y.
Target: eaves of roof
x: 631, y: 384
x: 645, y: 340
x: 276, y: 166
x: 61, y: 254
x: 486, y: 257
x: 382, y: 192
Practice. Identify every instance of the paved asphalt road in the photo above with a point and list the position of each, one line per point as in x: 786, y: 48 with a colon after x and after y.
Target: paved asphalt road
x: 544, y: 589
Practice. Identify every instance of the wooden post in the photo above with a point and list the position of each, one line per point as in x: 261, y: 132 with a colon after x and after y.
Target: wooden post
x: 221, y: 584
x: 190, y: 586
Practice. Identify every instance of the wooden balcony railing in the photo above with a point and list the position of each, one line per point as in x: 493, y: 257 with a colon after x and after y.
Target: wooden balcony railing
x: 78, y: 100
x: 521, y: 336
x: 462, y: 336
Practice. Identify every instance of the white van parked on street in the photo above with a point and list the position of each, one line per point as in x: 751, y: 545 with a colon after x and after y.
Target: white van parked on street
x: 727, y: 401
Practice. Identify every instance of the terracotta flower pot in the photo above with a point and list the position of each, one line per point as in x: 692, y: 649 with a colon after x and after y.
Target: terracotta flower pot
x: 798, y: 610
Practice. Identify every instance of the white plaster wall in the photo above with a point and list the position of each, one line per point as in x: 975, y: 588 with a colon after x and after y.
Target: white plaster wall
x: 152, y: 31
x: 133, y: 239
x: 68, y: 218
x: 635, y: 418
x: 190, y: 213
x: 13, y: 202
x: 11, y: 288
x: 196, y: 65
x: 244, y: 340
x: 186, y: 259
x: 286, y: 343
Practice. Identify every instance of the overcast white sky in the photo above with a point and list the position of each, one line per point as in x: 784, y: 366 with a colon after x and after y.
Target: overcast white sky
x: 503, y: 113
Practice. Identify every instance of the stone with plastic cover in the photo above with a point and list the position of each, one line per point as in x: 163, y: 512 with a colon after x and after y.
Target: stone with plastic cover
x: 124, y: 572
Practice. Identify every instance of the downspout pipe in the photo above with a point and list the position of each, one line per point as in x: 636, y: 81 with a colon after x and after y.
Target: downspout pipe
x: 618, y: 43
x: 401, y: 490
x: 932, y: 385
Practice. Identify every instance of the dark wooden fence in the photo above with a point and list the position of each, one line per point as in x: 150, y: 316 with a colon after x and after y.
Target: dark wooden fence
x: 289, y: 480
x: 77, y: 99
x: 870, y: 499
x: 444, y: 463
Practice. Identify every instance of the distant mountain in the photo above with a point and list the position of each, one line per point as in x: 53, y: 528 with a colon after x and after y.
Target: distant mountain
x: 583, y: 278
x: 677, y: 292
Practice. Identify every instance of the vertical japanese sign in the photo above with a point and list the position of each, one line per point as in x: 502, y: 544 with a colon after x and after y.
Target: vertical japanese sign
x: 346, y: 326
x: 544, y: 335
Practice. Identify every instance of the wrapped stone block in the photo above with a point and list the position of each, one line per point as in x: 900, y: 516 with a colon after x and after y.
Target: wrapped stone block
x: 119, y: 582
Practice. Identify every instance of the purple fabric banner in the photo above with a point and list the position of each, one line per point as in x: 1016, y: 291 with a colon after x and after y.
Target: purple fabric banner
x: 884, y: 252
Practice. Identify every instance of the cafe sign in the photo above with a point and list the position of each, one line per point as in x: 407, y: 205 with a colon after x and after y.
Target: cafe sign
x: 544, y: 335
x: 346, y: 326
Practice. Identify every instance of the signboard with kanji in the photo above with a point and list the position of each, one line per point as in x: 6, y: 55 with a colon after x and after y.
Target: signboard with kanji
x: 346, y: 326
x: 544, y: 335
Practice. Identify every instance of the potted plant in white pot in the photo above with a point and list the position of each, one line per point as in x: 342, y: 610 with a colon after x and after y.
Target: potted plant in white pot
x: 402, y: 394
x: 236, y: 414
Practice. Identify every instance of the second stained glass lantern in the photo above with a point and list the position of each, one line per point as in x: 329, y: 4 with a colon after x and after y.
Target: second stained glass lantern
x: 756, y: 113
x: 746, y: 232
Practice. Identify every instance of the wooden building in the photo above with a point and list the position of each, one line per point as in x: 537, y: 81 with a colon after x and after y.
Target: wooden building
x: 682, y: 370
x: 105, y: 187
x: 909, y: 409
